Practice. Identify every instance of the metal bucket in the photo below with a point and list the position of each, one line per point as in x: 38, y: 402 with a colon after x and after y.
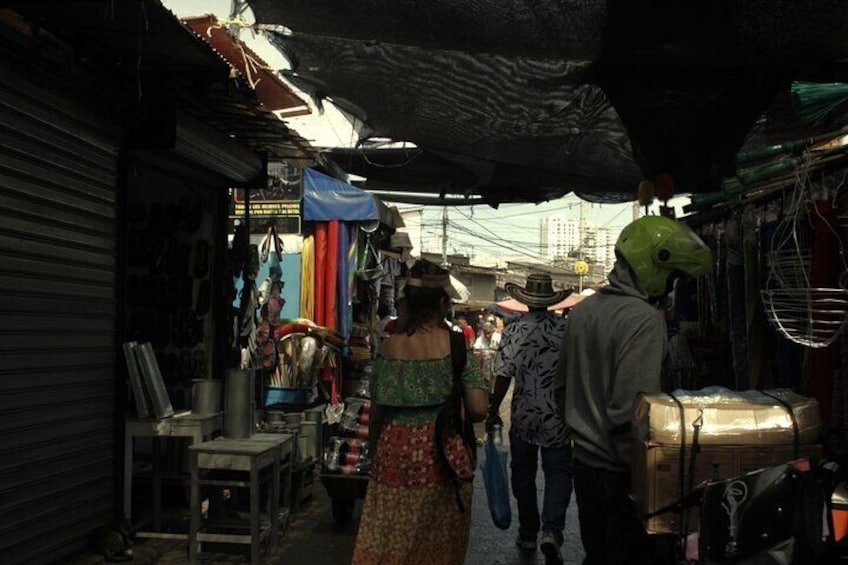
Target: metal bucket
x: 238, y: 403
x: 314, y: 414
x: 206, y: 396
x: 293, y: 418
x: 275, y: 417
x: 312, y: 432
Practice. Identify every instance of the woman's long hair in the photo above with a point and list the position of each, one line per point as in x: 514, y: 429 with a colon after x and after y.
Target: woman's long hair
x: 423, y: 306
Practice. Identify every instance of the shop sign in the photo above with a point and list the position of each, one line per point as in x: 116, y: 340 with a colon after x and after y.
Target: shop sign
x: 278, y: 202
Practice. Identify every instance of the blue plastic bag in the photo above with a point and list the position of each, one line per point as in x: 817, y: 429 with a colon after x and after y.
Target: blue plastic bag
x: 497, y: 484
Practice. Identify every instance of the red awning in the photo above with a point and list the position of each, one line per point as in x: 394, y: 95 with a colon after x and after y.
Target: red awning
x: 272, y: 92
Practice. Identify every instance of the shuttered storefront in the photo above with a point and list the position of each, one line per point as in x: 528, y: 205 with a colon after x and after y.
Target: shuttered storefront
x: 58, y: 308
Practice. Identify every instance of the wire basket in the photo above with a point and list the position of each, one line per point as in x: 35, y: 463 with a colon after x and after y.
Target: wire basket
x: 812, y: 317
x: 802, y: 312
x: 789, y: 268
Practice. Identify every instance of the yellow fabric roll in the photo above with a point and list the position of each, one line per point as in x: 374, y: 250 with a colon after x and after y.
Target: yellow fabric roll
x: 307, y: 278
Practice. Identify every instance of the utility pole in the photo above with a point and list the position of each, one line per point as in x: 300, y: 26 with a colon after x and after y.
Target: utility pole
x: 444, y: 236
x: 582, y: 228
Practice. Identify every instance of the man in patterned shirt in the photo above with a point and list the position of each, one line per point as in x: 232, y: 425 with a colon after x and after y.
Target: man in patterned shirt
x: 528, y: 355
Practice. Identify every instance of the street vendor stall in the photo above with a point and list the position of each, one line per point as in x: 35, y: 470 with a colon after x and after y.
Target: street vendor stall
x: 313, y: 357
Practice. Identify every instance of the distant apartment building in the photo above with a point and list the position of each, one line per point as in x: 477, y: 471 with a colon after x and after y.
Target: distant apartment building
x: 562, y: 241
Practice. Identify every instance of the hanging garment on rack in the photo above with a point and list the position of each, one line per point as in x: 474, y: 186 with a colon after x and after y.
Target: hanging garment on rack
x: 826, y: 271
x: 737, y: 306
x: 760, y: 356
x: 271, y: 252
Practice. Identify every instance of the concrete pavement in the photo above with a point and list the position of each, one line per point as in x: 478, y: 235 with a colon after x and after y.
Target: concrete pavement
x: 314, y: 538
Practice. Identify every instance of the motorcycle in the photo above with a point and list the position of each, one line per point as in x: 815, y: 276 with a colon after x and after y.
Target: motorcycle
x: 788, y: 514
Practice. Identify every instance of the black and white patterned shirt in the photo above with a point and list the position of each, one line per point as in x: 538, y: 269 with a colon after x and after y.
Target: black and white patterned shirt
x: 529, y: 354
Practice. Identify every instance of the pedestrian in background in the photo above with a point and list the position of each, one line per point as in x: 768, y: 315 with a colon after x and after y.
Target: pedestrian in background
x: 613, y: 348
x: 527, y: 359
x: 410, y: 514
x: 467, y: 330
x: 489, y: 337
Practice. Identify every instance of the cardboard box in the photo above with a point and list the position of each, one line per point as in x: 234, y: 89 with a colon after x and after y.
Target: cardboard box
x: 740, y: 433
x: 727, y: 417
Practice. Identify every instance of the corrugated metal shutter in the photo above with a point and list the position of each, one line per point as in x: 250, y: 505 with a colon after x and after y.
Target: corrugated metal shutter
x: 58, y: 310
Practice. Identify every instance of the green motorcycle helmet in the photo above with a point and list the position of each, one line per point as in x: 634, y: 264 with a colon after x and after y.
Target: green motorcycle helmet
x: 656, y: 247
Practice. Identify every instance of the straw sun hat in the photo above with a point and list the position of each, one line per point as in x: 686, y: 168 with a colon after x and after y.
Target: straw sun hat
x: 425, y: 274
x: 539, y: 292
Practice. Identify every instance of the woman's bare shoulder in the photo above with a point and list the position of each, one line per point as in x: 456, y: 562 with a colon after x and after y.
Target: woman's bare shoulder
x: 421, y: 345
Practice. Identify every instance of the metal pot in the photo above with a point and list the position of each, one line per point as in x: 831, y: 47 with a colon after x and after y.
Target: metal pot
x: 206, y: 396
x: 275, y: 417
x: 293, y: 418
x: 314, y: 414
x: 239, y: 403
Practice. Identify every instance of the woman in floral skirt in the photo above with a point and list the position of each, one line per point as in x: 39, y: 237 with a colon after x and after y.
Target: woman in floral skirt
x: 410, y: 514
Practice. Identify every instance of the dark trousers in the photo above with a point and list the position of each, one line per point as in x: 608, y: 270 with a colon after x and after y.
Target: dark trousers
x: 556, y: 466
x: 609, y: 525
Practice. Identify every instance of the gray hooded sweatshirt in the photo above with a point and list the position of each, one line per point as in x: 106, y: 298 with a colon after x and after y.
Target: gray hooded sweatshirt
x: 613, y: 349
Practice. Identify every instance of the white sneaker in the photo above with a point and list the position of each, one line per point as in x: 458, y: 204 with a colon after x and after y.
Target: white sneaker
x: 550, y: 548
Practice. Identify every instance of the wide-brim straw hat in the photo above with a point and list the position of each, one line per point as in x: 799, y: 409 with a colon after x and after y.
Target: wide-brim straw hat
x: 436, y: 278
x: 539, y: 292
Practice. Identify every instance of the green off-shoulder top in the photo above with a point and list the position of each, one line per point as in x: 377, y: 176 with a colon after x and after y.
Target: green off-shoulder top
x: 413, y: 390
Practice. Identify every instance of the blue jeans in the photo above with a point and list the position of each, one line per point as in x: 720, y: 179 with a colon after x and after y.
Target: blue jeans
x: 556, y: 466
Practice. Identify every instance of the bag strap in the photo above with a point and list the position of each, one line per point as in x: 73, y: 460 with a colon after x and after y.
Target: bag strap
x: 459, y: 356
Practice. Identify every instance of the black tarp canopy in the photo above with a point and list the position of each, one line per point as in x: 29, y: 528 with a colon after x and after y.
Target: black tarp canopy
x: 520, y: 100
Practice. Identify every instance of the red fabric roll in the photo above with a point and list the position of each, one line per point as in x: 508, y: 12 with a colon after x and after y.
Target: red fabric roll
x: 331, y: 274
x: 320, y: 273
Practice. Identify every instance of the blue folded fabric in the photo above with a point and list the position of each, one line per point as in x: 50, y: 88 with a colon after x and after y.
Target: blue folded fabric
x: 497, y: 484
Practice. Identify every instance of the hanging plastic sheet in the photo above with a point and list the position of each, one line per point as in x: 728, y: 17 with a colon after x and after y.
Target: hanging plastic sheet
x: 326, y: 198
x: 497, y: 485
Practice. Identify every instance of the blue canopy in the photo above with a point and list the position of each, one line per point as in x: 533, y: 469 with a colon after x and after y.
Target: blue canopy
x: 326, y: 198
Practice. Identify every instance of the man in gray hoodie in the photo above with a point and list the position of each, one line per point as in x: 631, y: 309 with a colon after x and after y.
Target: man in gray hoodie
x: 613, y: 348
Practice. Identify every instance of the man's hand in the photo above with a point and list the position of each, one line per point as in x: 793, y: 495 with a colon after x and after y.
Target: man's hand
x: 493, y: 419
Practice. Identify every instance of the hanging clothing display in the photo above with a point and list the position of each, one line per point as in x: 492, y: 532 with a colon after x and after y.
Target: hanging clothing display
x: 737, y: 305
x: 825, y: 272
x: 307, y: 278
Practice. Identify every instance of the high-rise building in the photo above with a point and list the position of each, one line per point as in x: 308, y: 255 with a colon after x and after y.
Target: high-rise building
x: 560, y: 236
x: 561, y: 239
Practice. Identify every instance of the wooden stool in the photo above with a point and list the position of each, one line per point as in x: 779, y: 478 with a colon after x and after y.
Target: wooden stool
x: 195, y: 427
x: 248, y: 455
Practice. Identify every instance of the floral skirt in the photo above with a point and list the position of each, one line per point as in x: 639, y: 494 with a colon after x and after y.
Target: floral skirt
x: 410, y: 515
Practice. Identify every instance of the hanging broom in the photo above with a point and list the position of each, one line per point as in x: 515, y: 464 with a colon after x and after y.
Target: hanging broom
x: 814, y: 101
